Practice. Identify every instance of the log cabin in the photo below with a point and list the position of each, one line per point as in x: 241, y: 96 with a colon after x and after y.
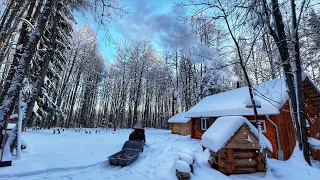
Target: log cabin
x: 180, y: 124
x: 274, y: 113
x: 234, y: 146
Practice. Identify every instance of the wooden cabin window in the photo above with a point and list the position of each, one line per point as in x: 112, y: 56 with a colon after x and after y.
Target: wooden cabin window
x: 204, y: 123
x: 263, y: 125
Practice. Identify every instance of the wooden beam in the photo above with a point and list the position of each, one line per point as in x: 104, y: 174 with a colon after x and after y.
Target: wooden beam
x: 310, y: 91
x: 307, y: 87
x: 306, y: 84
x: 316, y: 103
x: 316, y: 98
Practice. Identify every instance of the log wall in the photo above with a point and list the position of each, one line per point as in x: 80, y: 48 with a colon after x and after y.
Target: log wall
x: 196, y: 131
x: 312, y: 102
x: 240, y: 139
x: 175, y: 128
x: 185, y: 128
x: 181, y: 128
x: 237, y: 161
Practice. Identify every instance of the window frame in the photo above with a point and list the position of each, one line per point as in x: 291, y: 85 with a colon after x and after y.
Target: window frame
x: 263, y: 124
x: 206, y: 123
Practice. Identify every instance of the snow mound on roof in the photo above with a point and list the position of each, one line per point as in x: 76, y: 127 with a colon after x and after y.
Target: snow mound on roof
x: 314, y: 143
x: 224, y: 128
x: 183, y: 166
x: 179, y: 118
x: 272, y: 95
x: 248, y: 102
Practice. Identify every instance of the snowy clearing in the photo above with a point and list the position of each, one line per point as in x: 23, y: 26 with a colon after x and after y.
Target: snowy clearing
x: 72, y: 155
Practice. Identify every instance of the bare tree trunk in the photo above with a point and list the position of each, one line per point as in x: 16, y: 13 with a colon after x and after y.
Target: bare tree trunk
x: 138, y: 94
x: 280, y: 39
x: 299, y: 89
x: 64, y: 84
x: 266, y: 45
x: 73, y: 102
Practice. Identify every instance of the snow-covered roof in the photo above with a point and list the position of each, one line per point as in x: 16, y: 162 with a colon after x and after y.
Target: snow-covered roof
x: 179, y: 118
x: 271, y: 95
x: 221, y: 131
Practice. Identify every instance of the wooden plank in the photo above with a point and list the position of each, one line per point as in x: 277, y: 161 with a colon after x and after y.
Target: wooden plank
x: 245, y: 170
x: 270, y: 133
x: 286, y: 131
x: 310, y: 91
x: 258, y: 158
x: 229, y: 151
x: 184, y: 129
x: 240, y: 139
x: 313, y: 118
x: 230, y: 168
x: 196, y: 133
x: 223, y: 170
x: 315, y: 98
x: 222, y: 153
x: 261, y: 167
x: 245, y: 162
x: 176, y: 128
x: 222, y: 162
x: 244, y: 154
x: 230, y: 160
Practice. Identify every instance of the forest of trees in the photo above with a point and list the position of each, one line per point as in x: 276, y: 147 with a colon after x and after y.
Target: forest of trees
x: 53, y: 71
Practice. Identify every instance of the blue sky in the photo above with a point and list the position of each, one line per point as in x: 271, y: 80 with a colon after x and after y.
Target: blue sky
x: 147, y: 19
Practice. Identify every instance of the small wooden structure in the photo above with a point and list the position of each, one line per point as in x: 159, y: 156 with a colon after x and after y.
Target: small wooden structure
x: 234, y: 146
x: 180, y: 125
x: 237, y: 161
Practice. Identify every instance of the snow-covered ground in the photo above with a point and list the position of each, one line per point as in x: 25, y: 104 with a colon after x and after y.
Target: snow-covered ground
x: 72, y: 155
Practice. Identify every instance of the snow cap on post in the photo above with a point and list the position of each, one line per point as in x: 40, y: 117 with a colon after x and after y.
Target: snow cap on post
x: 186, y: 158
x: 183, y: 166
x: 189, y: 152
x: 249, y: 104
